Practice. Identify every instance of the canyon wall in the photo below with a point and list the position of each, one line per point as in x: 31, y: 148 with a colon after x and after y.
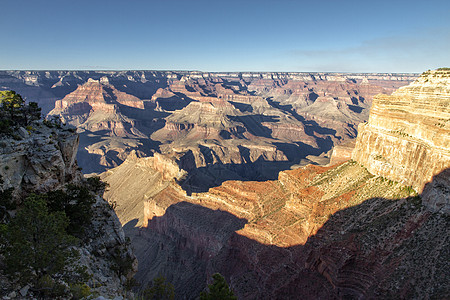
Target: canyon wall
x: 218, y: 120
x: 314, y: 232
x: 407, y: 137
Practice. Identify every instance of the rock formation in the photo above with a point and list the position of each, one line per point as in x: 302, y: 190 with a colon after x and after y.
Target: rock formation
x: 109, y: 121
x: 42, y: 159
x: 26, y: 161
x: 407, y: 137
x: 273, y: 116
x: 314, y: 233
x: 96, y: 106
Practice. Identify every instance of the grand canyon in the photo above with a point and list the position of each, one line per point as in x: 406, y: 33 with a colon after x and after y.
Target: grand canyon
x: 290, y: 185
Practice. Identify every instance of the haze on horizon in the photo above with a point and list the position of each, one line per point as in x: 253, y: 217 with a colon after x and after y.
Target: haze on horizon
x: 245, y: 35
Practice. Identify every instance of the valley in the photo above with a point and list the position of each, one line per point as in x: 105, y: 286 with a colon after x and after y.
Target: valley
x: 219, y: 126
x: 316, y: 232
x: 282, y: 182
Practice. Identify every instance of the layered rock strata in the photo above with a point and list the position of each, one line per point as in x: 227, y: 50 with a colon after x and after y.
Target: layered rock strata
x: 315, y: 233
x: 407, y: 137
x: 281, y: 113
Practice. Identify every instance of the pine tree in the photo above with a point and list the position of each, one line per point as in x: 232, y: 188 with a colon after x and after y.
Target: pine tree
x: 218, y: 290
x: 12, y: 103
x: 160, y: 290
x: 35, y: 242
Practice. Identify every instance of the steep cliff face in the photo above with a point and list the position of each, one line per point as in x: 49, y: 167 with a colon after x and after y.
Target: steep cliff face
x: 111, y: 123
x: 407, y: 137
x: 274, y: 116
x: 138, y: 179
x: 96, y: 106
x: 316, y: 232
x: 40, y: 160
x: 43, y: 160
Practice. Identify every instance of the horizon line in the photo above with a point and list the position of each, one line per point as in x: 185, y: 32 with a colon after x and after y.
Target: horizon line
x: 186, y: 70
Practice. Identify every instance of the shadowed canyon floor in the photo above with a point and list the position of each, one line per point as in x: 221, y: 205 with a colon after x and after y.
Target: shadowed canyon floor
x: 315, y: 233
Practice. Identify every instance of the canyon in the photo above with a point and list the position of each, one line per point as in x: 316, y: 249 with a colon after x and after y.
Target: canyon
x: 218, y: 125
x: 356, y: 229
x: 282, y: 182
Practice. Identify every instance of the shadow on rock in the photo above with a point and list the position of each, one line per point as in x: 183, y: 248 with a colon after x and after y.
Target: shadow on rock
x: 381, y: 248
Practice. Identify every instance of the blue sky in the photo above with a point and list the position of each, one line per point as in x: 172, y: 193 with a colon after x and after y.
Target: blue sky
x: 210, y: 35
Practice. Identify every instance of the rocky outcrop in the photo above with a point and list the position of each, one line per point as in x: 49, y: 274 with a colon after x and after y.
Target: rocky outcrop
x: 109, y: 121
x: 342, y: 152
x: 42, y: 159
x: 304, y: 113
x: 407, y: 137
x: 39, y: 160
x: 316, y: 232
x: 99, y: 98
x: 145, y: 177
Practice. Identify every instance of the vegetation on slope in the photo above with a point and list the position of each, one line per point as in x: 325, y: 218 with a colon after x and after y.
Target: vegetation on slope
x: 39, y: 233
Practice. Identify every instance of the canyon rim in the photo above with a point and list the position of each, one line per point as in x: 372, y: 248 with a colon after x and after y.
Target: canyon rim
x: 291, y: 185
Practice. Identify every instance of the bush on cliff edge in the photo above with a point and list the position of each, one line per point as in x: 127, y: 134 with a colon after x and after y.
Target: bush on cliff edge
x: 36, y: 242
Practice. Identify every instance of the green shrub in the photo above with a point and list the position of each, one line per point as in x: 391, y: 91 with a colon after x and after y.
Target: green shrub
x: 36, y: 241
x: 80, y: 291
x: 159, y: 290
x: 218, y: 290
x: 47, y: 287
x: 122, y: 262
x: 96, y: 184
x: 77, y: 203
x: 15, y: 112
x: 6, y: 203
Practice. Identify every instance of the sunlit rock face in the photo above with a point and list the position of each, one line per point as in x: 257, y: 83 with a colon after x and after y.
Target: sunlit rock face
x: 100, y: 99
x: 26, y: 162
x: 407, y: 137
x: 217, y: 119
x: 315, y: 232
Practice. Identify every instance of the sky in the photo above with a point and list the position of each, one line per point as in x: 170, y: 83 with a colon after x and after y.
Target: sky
x: 212, y: 35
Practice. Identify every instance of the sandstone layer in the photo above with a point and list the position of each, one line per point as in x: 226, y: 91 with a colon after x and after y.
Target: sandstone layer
x: 218, y: 120
x: 407, y: 137
x: 315, y: 233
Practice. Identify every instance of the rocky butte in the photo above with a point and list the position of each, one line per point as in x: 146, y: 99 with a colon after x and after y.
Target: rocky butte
x: 362, y: 229
x: 218, y: 125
